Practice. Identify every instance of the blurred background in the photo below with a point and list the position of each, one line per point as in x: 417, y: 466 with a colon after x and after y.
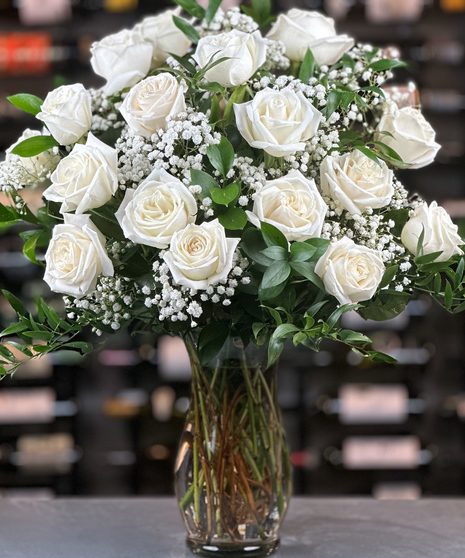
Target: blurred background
x: 109, y: 424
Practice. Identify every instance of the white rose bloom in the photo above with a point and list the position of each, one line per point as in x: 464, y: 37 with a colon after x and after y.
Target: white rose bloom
x: 292, y: 204
x: 67, y: 113
x: 246, y: 53
x: 150, y: 102
x: 201, y: 255
x: 440, y: 232
x: 76, y: 256
x: 33, y: 169
x: 122, y: 59
x: 300, y: 30
x: 413, y: 136
x: 164, y: 36
x: 159, y: 207
x: 350, y: 272
x: 86, y: 178
x: 356, y: 181
x: 279, y: 122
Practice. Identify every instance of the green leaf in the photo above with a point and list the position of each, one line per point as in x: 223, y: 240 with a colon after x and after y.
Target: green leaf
x: 211, y: 340
x: 237, y: 97
x: 307, y: 270
x: 22, y: 348
x: 276, y: 253
x: 86, y: 348
x: 335, y: 316
x: 35, y: 145
x: 253, y: 245
x: 14, y: 328
x: 273, y: 236
x: 8, y: 214
x: 235, y: 219
x: 388, y: 276
x: 347, y: 61
x: 28, y: 103
x: 277, y: 273
x: 384, y: 307
x: 184, y: 63
x: 276, y: 345
x: 448, y: 296
x: 427, y: 258
x: 459, y: 273
x: 6, y: 353
x: 204, y: 180
x: 32, y: 240
x: 369, y: 153
x: 43, y: 335
x: 104, y: 219
x: 262, y: 8
x: 310, y: 250
x: 308, y: 67
x: 353, y: 337
x: 348, y: 136
x: 400, y: 217
x: 385, y: 64
x: 226, y: 195
x: 135, y: 266
x: 213, y: 6
x: 215, y: 110
x: 221, y: 156
x: 299, y: 337
x: 191, y: 33
x: 191, y: 7
x: 14, y: 302
x: 272, y: 292
x: 334, y: 98
x: 376, y: 356
x: 315, y: 308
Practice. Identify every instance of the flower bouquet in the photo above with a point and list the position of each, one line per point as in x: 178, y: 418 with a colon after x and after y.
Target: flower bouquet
x: 235, y: 189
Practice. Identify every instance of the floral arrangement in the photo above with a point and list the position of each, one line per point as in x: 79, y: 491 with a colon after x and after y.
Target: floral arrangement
x: 225, y: 181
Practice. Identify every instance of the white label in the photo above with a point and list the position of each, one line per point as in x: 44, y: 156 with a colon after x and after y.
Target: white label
x: 371, y: 403
x: 381, y: 452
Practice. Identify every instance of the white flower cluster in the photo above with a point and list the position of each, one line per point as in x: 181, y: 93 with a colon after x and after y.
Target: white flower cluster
x: 104, y: 112
x: 179, y: 303
x: 110, y: 303
x: 225, y: 22
x: 177, y: 150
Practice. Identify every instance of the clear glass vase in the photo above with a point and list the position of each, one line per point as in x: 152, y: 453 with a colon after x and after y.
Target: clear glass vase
x: 233, y: 471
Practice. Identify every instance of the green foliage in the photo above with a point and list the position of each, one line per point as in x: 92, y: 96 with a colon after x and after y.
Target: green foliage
x: 226, y: 195
x: 191, y: 33
x: 260, y: 12
x: 211, y: 340
x: 192, y: 8
x: 221, y: 156
x: 35, y: 145
x: 28, y: 103
x: 204, y: 180
x: 308, y: 68
x: 233, y: 219
x: 212, y: 8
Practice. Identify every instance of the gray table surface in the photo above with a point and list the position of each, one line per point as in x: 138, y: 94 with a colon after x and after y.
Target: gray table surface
x: 152, y: 528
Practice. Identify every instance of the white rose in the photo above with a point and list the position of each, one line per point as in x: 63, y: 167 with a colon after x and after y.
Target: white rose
x: 160, y: 206
x: 122, y: 59
x: 164, y: 36
x: 350, y: 272
x: 301, y: 30
x: 201, y: 255
x: 76, y: 257
x: 246, y: 53
x: 440, y: 232
x: 86, y: 178
x: 67, y: 113
x: 36, y: 168
x: 279, y: 122
x: 292, y: 204
x: 150, y: 102
x: 413, y: 136
x: 356, y: 181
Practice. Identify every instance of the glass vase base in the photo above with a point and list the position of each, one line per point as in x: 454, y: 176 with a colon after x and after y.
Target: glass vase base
x: 233, y: 550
